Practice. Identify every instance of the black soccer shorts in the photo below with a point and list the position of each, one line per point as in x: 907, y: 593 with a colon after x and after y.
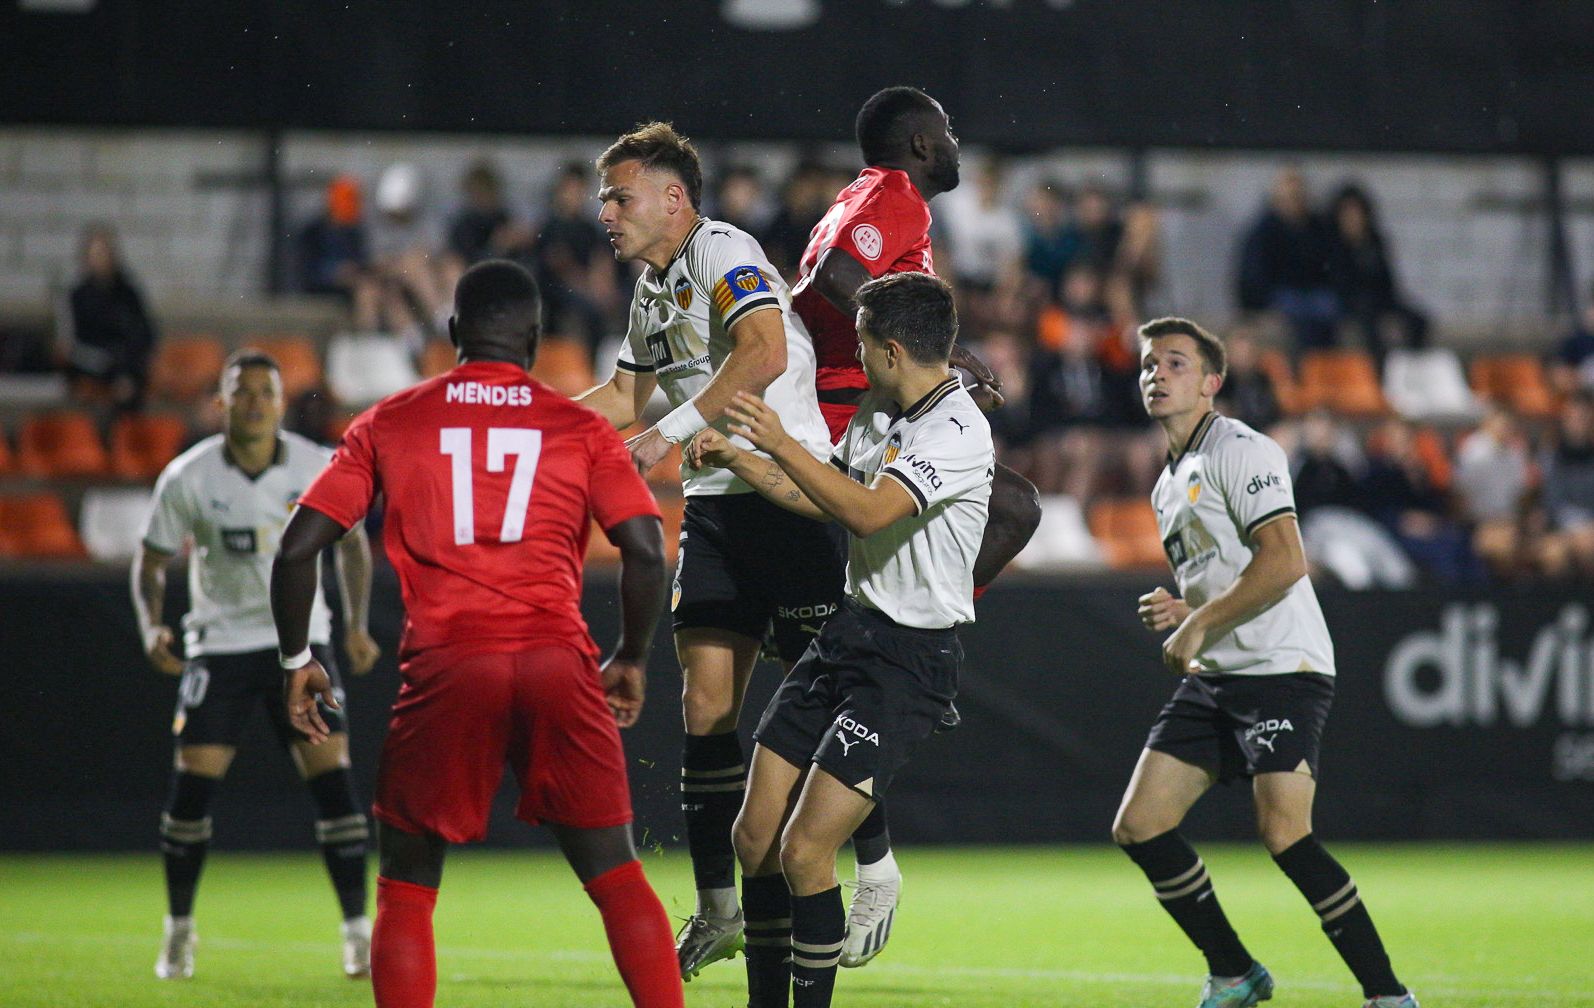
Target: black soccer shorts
x: 746, y: 562
x: 1244, y: 725
x: 218, y: 692
x: 862, y: 698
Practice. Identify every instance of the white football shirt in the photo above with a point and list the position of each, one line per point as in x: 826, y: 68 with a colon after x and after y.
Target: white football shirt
x: 1229, y: 482
x: 920, y: 569
x: 235, y: 523
x: 680, y: 332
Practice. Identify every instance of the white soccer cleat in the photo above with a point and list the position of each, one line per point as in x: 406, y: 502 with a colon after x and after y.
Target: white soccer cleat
x: 176, y: 960
x: 357, y: 947
x: 874, y: 907
x: 1406, y: 1000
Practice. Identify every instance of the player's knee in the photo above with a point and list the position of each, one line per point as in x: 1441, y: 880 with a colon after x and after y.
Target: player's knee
x: 802, y: 858
x: 1280, y: 833
x: 1132, y: 826
x: 707, y: 711
x: 754, y: 845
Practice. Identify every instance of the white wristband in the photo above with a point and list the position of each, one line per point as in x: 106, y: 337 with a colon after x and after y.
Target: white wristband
x: 298, y: 661
x: 681, y: 423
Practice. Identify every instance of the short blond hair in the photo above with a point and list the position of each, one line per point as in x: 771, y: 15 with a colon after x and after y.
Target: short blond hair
x: 658, y: 145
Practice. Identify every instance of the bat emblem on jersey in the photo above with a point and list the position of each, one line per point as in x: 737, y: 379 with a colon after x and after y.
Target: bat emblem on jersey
x: 1192, y: 490
x: 748, y: 278
x: 683, y: 293
x: 893, y: 448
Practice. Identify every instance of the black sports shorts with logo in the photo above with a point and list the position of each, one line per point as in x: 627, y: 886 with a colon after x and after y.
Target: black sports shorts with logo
x: 746, y: 562
x: 862, y: 698
x: 218, y: 692
x: 1244, y: 725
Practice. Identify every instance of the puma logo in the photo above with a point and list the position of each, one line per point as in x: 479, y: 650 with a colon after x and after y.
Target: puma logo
x: 846, y: 747
x: 962, y: 427
x: 808, y: 628
x: 1266, y: 741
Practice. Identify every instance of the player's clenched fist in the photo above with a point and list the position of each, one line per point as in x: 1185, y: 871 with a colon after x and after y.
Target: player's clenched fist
x: 158, y: 647
x: 710, y: 449
x: 1161, y: 611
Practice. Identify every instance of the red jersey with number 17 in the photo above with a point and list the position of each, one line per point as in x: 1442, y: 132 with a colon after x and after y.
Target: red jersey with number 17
x: 881, y: 221
x: 492, y: 480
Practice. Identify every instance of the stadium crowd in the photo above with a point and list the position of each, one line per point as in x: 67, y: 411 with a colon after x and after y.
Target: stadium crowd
x: 1412, y: 465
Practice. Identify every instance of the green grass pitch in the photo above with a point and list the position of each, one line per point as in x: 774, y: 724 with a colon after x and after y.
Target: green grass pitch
x: 1469, y: 926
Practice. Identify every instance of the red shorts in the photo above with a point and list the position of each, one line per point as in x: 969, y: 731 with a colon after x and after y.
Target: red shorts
x: 837, y: 417
x: 460, y: 717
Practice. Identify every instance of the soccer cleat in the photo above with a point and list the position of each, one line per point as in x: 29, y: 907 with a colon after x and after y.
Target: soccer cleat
x: 869, y: 918
x: 357, y: 947
x: 1406, y: 1000
x: 176, y: 961
x: 703, y: 940
x: 1237, y: 992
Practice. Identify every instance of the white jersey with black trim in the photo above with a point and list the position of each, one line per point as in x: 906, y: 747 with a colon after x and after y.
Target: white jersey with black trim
x: 235, y: 523
x: 1228, y: 482
x: 919, y: 570
x: 680, y: 328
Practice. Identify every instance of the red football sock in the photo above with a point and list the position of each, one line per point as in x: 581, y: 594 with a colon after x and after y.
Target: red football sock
x: 639, y: 936
x: 403, y: 957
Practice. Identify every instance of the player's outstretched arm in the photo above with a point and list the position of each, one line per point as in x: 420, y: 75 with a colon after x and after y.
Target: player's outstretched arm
x: 293, y: 584
x: 642, y: 573
x: 149, y: 595
x: 1278, y: 562
x: 859, y: 509
x: 837, y: 279
x: 353, y: 562
x: 713, y: 450
x: 621, y: 399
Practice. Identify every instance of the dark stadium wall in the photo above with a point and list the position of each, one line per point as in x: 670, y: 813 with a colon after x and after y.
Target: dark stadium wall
x: 1445, y: 75
x: 1455, y: 719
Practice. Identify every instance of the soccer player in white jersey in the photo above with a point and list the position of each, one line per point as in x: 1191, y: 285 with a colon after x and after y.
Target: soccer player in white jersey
x: 711, y: 317
x: 1256, y: 670
x: 911, y: 483
x: 230, y: 497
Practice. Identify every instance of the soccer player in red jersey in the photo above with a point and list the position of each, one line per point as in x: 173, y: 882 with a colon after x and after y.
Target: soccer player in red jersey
x: 492, y: 480
x: 881, y: 224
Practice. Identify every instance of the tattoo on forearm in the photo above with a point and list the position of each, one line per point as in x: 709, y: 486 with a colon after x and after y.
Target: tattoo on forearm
x: 793, y: 496
x: 774, y: 477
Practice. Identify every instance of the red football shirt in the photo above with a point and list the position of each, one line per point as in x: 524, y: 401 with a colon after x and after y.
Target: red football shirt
x: 492, y: 481
x: 881, y: 221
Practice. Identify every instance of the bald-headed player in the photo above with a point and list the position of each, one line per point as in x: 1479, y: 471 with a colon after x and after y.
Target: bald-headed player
x: 492, y: 482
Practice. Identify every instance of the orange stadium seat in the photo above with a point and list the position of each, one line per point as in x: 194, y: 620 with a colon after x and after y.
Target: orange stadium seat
x: 1343, y: 381
x: 142, y: 444
x: 36, y: 526
x: 564, y: 365
x: 1276, y: 365
x: 185, y: 367
x: 437, y: 357
x: 1517, y: 380
x: 1126, y: 528
x: 296, y: 356
x: 61, y: 444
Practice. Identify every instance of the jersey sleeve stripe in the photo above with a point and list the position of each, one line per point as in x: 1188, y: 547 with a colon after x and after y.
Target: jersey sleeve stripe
x: 748, y: 307
x: 1270, y: 517
x: 919, y: 501
x: 633, y: 366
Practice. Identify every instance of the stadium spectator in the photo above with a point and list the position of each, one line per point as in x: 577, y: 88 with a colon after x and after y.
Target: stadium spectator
x: 1494, y: 476
x: 497, y: 663
x: 334, y: 253
x: 1137, y: 265
x: 884, y: 670
x: 1402, y: 491
x: 1098, y: 228
x: 986, y: 238
x: 1248, y: 706
x: 109, y: 337
x: 803, y: 200
x: 1284, y: 264
x: 1051, y: 239
x: 1568, y: 466
x: 578, y: 278
x: 1324, y: 464
x: 485, y: 228
x: 1572, y: 364
x: 1339, y: 539
x: 740, y: 201
x: 713, y: 287
x: 230, y: 497
x: 1074, y: 399
x: 1362, y: 270
x: 410, y: 258
x: 1248, y: 394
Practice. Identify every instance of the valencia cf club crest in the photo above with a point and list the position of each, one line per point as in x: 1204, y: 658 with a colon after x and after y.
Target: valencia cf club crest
x: 675, y: 595
x: 1192, y: 490
x: 683, y: 293
x: 893, y: 447
x: 748, y: 279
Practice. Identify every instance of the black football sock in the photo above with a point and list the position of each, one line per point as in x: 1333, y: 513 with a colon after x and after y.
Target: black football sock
x: 871, y: 841
x: 767, y: 903
x: 1328, y: 887
x: 713, y: 781
x: 185, y: 836
x: 818, y: 930
x: 343, y: 834
x: 1180, y: 879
